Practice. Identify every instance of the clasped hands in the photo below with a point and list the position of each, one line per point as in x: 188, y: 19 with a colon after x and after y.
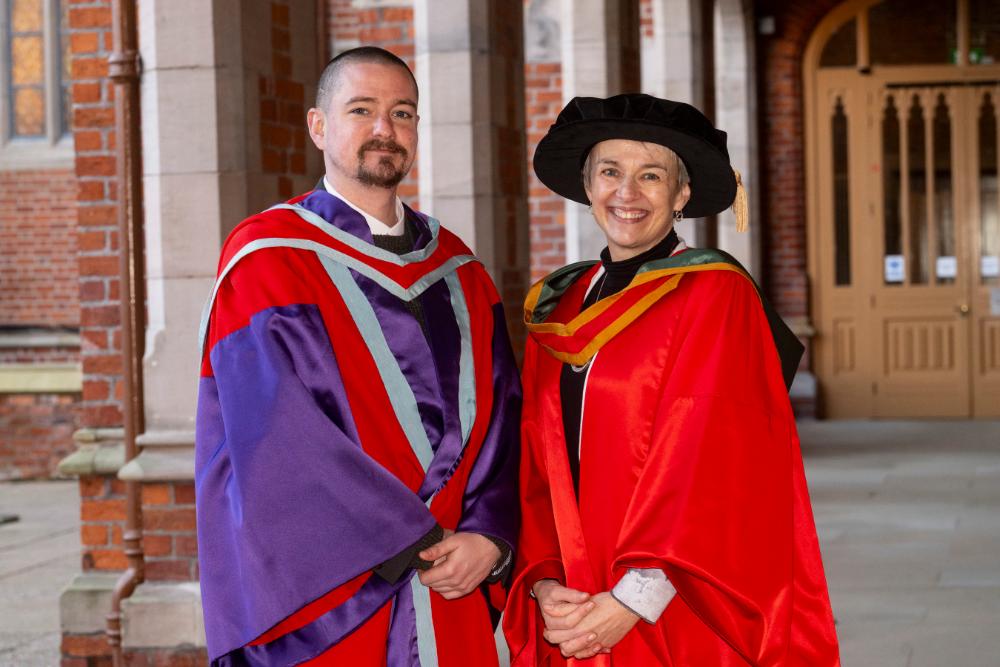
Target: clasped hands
x: 582, y: 625
x: 461, y: 562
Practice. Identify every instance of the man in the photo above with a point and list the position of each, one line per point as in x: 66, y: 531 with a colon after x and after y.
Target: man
x: 358, y: 413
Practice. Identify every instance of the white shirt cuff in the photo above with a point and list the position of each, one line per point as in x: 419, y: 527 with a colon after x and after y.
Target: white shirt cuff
x: 647, y: 592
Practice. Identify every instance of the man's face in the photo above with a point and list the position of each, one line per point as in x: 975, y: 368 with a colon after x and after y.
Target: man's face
x: 368, y: 132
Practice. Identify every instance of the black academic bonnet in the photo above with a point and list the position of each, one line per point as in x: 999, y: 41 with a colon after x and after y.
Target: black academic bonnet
x: 587, y: 121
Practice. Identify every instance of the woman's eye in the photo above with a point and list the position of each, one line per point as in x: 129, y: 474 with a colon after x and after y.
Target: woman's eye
x: 611, y: 173
x: 650, y: 177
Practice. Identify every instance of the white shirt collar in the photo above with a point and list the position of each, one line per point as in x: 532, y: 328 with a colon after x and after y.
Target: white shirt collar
x: 374, y: 224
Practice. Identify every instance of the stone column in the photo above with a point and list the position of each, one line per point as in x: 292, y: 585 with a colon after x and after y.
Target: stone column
x: 470, y: 70
x: 673, y: 67
x: 735, y: 112
x: 600, y: 55
x: 224, y: 92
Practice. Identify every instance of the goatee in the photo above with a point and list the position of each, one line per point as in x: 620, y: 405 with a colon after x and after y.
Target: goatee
x: 385, y: 174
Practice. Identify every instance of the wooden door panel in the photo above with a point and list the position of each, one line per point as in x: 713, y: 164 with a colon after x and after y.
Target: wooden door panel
x: 984, y: 195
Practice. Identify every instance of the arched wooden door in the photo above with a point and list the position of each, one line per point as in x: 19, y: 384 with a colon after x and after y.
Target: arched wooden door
x: 903, y: 215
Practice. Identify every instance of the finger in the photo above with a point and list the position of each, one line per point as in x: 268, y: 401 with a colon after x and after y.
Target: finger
x: 563, y: 594
x: 439, y: 550
x: 438, y: 575
x: 571, y: 647
x: 589, y: 652
x: 562, y: 636
x: 560, y: 609
x: 455, y: 593
x: 574, y: 618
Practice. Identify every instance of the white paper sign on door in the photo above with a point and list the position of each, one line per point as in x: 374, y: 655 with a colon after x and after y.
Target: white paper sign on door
x: 989, y: 266
x: 895, y: 268
x: 947, y: 267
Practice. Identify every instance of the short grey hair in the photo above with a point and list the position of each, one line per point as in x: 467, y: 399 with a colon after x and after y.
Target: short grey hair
x: 683, y: 177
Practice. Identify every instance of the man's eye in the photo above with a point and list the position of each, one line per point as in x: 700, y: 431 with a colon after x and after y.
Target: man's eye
x: 650, y: 177
x: 406, y: 115
x: 361, y: 111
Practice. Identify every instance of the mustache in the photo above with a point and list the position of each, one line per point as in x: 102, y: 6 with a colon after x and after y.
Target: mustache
x: 380, y: 145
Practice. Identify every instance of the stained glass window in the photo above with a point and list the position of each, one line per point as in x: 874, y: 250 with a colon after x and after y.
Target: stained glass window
x: 34, y: 70
x: 26, y: 58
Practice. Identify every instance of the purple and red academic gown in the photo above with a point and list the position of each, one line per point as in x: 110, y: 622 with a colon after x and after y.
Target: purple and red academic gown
x: 332, y: 434
x: 689, y: 462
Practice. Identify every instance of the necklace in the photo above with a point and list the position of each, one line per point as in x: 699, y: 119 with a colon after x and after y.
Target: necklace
x: 584, y: 367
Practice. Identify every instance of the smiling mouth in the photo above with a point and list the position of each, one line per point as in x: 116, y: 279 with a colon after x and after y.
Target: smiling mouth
x: 629, y: 214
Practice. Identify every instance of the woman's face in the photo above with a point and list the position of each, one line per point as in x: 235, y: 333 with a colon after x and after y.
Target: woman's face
x: 633, y: 191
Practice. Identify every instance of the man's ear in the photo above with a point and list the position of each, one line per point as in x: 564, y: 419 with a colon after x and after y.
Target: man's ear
x: 316, y: 123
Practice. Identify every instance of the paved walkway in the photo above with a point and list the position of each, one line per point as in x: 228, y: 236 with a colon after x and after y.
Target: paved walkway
x: 909, y: 521
x: 39, y: 555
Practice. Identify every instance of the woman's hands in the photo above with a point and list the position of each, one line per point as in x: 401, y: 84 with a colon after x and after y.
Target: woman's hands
x: 582, y: 625
x: 461, y: 562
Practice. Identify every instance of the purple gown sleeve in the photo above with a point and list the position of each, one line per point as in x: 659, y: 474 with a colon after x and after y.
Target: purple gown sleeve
x: 289, y: 505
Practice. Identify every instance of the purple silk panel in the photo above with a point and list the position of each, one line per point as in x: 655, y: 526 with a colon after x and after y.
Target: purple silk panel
x: 490, y: 505
x: 289, y: 505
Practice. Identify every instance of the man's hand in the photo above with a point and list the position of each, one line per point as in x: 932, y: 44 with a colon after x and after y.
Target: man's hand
x: 461, y: 562
x: 601, y: 629
x: 562, y: 610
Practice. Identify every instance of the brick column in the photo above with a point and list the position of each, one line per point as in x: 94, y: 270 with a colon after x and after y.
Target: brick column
x: 86, y: 600
x: 543, y: 100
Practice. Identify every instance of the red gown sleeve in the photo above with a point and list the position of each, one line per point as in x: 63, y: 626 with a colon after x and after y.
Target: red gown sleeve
x: 721, y: 503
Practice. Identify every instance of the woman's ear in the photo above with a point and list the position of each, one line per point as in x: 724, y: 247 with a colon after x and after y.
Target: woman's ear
x: 683, y: 195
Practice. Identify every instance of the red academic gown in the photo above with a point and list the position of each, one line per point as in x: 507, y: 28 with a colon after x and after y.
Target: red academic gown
x: 290, y: 425
x: 690, y: 463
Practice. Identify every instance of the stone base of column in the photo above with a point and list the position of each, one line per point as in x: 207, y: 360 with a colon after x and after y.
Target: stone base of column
x: 83, y: 606
x: 162, y: 624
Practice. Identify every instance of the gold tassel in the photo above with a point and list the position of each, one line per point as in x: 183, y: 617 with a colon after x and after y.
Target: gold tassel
x: 741, y: 207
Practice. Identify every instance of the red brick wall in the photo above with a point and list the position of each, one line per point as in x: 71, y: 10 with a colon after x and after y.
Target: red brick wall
x: 646, y: 18
x: 94, y: 138
x: 782, y: 143
x: 38, y: 268
x: 85, y: 651
x: 168, y: 534
x: 189, y: 657
x: 36, y: 429
x: 36, y: 432
x: 543, y: 101
x: 102, y: 501
x: 38, y: 290
x: 102, y: 515
x: 282, y: 108
x: 389, y: 26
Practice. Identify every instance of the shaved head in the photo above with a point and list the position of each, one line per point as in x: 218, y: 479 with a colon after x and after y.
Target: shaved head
x: 330, y: 79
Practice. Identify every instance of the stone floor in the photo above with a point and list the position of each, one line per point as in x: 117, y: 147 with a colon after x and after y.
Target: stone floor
x: 39, y: 555
x: 908, y: 515
x: 909, y: 523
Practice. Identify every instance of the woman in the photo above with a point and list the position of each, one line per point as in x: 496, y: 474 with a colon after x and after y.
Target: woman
x: 666, y: 519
